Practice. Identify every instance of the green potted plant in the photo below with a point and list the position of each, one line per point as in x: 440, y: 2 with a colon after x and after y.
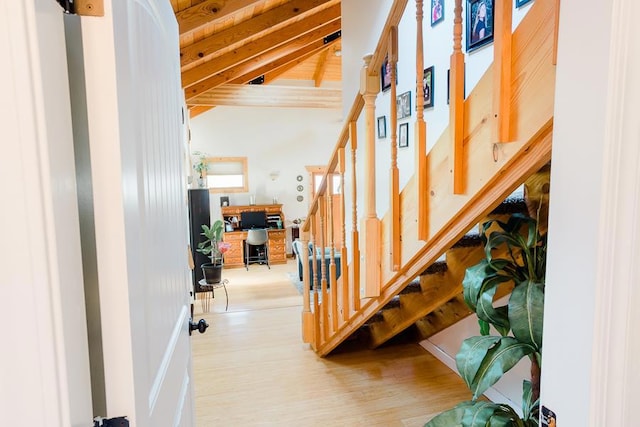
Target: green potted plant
x: 516, y: 253
x: 214, y: 247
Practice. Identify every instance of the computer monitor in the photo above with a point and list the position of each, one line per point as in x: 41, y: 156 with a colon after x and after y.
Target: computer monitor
x: 251, y: 220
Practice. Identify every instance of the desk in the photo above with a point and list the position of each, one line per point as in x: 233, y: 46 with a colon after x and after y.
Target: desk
x: 234, y: 257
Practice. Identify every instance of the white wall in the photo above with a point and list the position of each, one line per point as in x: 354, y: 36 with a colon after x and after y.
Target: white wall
x: 273, y: 139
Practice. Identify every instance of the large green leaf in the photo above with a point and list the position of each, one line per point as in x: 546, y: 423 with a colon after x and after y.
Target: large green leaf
x: 526, y: 311
x: 497, y: 360
x: 472, y: 282
x: 476, y: 414
x: 498, y: 317
x: 472, y: 352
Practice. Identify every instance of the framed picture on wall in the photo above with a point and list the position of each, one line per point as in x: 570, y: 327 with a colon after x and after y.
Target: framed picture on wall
x: 382, y: 127
x: 437, y: 11
x: 385, y: 74
x: 403, y: 102
x: 479, y: 25
x: 427, y: 86
x: 520, y: 3
x: 403, y: 135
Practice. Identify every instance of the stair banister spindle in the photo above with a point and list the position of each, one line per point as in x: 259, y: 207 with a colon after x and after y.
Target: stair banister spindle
x: 355, y: 234
x: 322, y: 210
x: 307, y: 315
x: 332, y: 254
x: 344, y: 270
x: 456, y: 102
x: 317, y: 336
x: 501, y: 131
x: 421, y: 132
x: 394, y: 174
x: 369, y: 88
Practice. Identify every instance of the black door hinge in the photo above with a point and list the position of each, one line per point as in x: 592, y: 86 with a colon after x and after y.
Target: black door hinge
x: 111, y: 422
x: 69, y: 6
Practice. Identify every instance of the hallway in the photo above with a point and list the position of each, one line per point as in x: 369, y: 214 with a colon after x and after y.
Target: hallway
x: 252, y: 369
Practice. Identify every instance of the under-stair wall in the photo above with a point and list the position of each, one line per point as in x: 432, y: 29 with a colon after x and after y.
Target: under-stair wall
x: 381, y: 258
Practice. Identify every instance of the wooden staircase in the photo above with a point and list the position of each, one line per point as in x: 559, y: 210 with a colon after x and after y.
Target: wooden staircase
x: 418, y: 287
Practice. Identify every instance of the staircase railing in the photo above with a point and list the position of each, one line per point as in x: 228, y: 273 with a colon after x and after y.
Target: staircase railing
x: 496, y: 137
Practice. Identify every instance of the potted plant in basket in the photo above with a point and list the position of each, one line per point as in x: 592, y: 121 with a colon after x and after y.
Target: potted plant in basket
x: 214, y: 247
x: 201, y: 167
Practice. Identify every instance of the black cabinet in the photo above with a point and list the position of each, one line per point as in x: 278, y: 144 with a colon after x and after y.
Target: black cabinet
x: 198, y: 214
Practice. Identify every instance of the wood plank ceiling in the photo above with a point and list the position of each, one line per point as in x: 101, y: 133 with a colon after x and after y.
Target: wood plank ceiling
x: 226, y: 44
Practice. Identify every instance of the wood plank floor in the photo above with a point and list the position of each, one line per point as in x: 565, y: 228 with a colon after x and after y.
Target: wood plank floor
x: 252, y: 369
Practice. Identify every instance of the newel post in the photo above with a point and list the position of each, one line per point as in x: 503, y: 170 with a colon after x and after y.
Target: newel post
x: 369, y: 88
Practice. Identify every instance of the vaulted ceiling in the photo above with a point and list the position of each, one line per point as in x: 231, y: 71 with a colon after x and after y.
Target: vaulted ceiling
x: 232, y: 51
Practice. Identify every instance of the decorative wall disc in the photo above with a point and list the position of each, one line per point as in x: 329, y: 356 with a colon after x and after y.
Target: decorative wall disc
x: 299, y: 177
x: 299, y: 198
x: 300, y: 188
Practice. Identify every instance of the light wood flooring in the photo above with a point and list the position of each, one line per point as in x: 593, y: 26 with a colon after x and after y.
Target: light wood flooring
x: 251, y: 368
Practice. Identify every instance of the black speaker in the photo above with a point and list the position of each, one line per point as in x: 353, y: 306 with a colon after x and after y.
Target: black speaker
x: 199, y: 214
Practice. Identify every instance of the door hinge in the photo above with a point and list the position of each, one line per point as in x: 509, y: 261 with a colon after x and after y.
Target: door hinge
x: 83, y: 7
x: 111, y: 422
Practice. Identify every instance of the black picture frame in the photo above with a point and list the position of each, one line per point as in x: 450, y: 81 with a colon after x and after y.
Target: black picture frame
x: 403, y: 102
x: 449, y: 85
x: 224, y: 200
x: 520, y: 3
x: 427, y: 86
x: 382, y: 127
x: 437, y: 11
x: 403, y: 135
x: 479, y: 25
x: 385, y: 74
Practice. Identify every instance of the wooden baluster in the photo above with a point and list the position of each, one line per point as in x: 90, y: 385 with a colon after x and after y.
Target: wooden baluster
x: 322, y: 210
x: 456, y: 103
x: 314, y: 278
x: 394, y: 174
x: 307, y: 315
x: 502, y: 71
x: 369, y: 88
x: 332, y: 254
x: 355, y: 235
x: 556, y: 17
x: 421, y: 132
x: 344, y: 269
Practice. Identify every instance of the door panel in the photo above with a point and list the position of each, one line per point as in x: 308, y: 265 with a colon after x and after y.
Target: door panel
x: 134, y: 104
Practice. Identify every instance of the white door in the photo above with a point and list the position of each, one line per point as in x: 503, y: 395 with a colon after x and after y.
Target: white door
x: 44, y: 361
x: 134, y: 109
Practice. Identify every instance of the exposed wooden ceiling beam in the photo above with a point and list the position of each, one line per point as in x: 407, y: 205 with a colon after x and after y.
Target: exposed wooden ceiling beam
x: 209, y: 12
x: 221, y: 77
x: 270, y: 96
x: 321, y: 66
x: 253, y: 49
x: 243, y: 31
x: 196, y: 110
x: 280, y: 66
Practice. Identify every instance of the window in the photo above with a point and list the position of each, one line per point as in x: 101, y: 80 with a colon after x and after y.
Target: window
x: 316, y: 174
x: 227, y: 175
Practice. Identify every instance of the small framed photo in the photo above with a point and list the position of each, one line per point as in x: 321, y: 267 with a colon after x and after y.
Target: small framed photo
x: 479, y: 23
x: 437, y: 11
x: 385, y: 74
x: 224, y: 200
x: 382, y: 127
x: 427, y: 86
x: 403, y: 135
x: 520, y: 3
x: 403, y: 101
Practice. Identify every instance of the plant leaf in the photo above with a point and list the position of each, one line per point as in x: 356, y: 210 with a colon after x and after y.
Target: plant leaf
x: 484, y: 327
x: 472, y: 414
x: 498, y: 317
x: 496, y: 361
x: 472, y: 352
x: 472, y: 282
x: 526, y: 311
